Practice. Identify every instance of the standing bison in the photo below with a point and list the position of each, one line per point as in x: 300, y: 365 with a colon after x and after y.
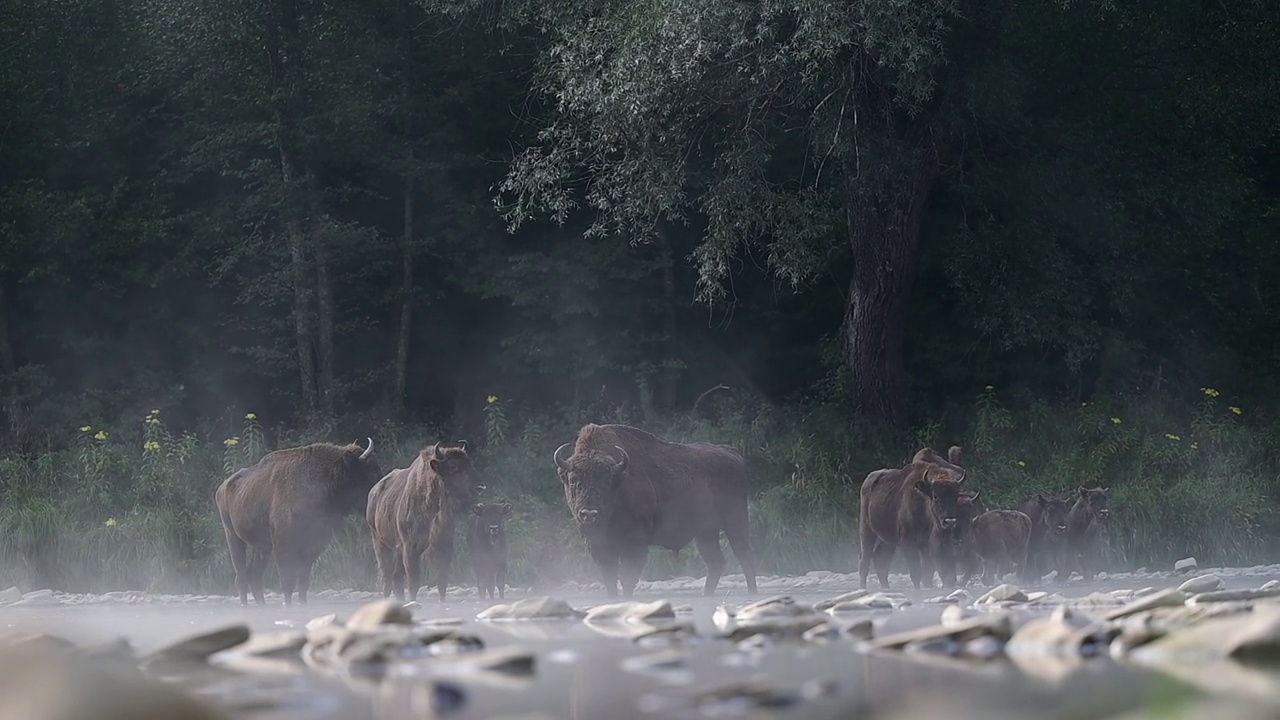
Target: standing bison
x: 998, y: 539
x: 1083, y: 533
x: 628, y: 490
x: 1048, y: 514
x: 905, y: 507
x: 487, y: 546
x: 413, y: 511
x: 290, y: 504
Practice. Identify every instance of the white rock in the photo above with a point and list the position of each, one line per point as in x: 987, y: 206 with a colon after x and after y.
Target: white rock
x: 12, y: 595
x: 1185, y: 564
x: 1202, y: 583
x: 38, y: 597
x: 1270, y: 585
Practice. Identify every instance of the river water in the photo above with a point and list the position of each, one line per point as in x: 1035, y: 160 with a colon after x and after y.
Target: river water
x: 584, y: 671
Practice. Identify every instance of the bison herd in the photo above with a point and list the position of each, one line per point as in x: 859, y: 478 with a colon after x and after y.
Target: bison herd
x: 627, y: 490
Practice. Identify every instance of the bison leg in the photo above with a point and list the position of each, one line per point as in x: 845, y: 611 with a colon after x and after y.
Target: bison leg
x: 239, y: 550
x: 287, y: 568
x: 500, y: 579
x: 914, y: 556
x: 632, y: 561
x: 304, y: 579
x: 882, y: 555
x: 388, y: 566
x: 737, y: 530
x: 709, y: 548
x: 441, y: 563
x: 257, y: 569
x: 607, y: 560
x: 412, y: 557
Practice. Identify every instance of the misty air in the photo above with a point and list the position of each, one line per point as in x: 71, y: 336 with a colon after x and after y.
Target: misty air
x: 600, y: 360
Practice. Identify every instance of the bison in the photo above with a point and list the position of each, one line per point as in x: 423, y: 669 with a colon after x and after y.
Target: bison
x: 950, y: 551
x: 998, y: 538
x: 413, y: 510
x: 1048, y: 515
x: 290, y: 504
x: 1083, y: 533
x: 487, y: 545
x: 629, y: 489
x: 903, y: 507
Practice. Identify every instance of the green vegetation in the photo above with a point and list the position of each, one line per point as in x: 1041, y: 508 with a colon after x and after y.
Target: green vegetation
x: 420, y: 220
x: 132, y: 509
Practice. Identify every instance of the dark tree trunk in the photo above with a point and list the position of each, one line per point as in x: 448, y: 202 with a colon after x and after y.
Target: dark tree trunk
x: 8, y: 366
x: 404, y: 329
x: 884, y: 221
x: 299, y: 273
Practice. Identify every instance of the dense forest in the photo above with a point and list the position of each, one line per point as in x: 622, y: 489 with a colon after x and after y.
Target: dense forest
x: 827, y: 233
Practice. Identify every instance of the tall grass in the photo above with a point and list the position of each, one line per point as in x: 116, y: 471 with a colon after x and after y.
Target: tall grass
x: 132, y: 507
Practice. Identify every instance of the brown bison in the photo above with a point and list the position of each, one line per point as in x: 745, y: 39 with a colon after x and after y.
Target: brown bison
x: 902, y: 508
x: 1083, y: 533
x: 998, y: 539
x: 290, y: 504
x: 413, y: 511
x: 950, y: 551
x: 487, y: 545
x: 1048, y: 515
x: 629, y: 489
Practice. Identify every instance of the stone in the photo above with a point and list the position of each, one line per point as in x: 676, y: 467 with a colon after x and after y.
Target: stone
x: 778, y: 606
x: 1244, y: 636
x: 1233, y: 596
x: 47, y: 683
x: 198, y: 649
x: 505, y: 660
x: 1003, y: 593
x: 281, y: 644
x: 38, y: 597
x: 535, y: 608
x: 11, y: 595
x: 823, y: 605
x: 1185, y: 565
x: 631, y: 611
x: 1169, y: 597
x: 1063, y: 633
x: 1203, y: 583
x: 376, y: 614
x: 948, y: 639
x: 323, y: 621
x: 1270, y: 585
x: 876, y: 601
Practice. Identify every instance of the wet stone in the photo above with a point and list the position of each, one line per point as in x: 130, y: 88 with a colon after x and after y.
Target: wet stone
x: 1233, y: 596
x: 382, y: 612
x: 11, y: 595
x: 779, y: 606
x: 505, y: 660
x: 627, y: 611
x: 948, y: 639
x: 322, y: 621
x: 877, y: 601
x: 1003, y: 593
x: 1203, y: 583
x: 824, y: 605
x: 1185, y: 565
x: 1270, y: 585
x: 282, y: 644
x: 1170, y: 597
x: 667, y: 636
x: 536, y: 608
x: 200, y: 647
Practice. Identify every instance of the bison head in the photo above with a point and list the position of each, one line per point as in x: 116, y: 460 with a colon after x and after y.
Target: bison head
x: 459, y: 479
x: 361, y: 470
x: 491, y: 517
x: 591, y: 479
x: 942, y: 485
x: 1094, y: 501
x: 1053, y: 512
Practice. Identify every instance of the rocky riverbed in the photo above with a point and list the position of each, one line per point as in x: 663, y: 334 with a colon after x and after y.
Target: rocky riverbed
x: 1127, y: 645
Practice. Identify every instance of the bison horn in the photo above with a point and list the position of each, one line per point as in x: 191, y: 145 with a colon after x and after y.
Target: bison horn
x: 435, y: 450
x: 964, y: 475
x: 560, y: 463
x: 462, y: 444
x: 368, y: 451
x: 625, y: 461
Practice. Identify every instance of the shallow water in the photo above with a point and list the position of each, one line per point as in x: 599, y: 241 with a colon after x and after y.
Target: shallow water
x: 583, y: 671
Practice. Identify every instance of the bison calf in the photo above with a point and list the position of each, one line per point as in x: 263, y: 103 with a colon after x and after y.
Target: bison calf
x: 290, y: 505
x: 999, y: 538
x: 1083, y: 533
x: 1048, y: 515
x: 487, y: 545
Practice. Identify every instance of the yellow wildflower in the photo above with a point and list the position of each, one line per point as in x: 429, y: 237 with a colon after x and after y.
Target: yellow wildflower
x: 989, y: 388
x: 86, y: 428
x: 231, y: 442
x: 151, y: 446
x: 1210, y: 392
x: 1115, y: 421
x: 155, y: 412
x: 1235, y: 409
x: 492, y: 399
x: 111, y: 522
x: 250, y: 416
x: 100, y: 436
x: 1021, y: 464
x: 1195, y: 446
x: 1172, y: 437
